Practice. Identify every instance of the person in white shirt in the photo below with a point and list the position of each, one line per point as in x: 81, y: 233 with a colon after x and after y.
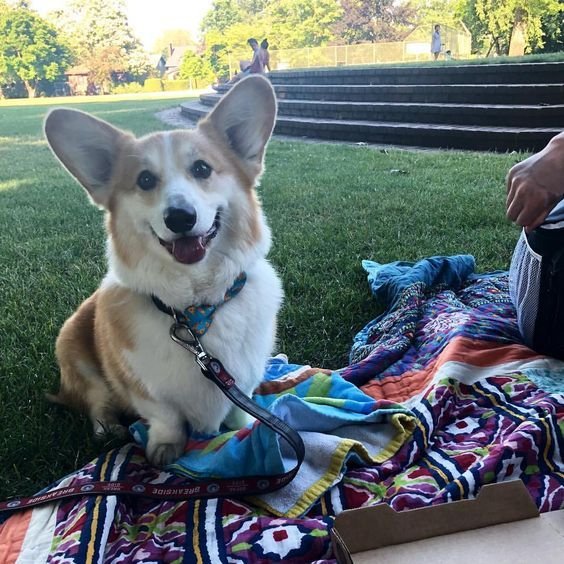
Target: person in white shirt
x: 436, y: 42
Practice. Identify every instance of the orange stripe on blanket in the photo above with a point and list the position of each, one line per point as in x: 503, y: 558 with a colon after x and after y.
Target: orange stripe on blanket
x: 288, y: 381
x: 12, y: 535
x: 485, y: 353
x: 474, y: 352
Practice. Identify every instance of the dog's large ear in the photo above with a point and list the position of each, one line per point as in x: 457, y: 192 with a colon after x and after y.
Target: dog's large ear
x: 87, y: 147
x: 245, y: 116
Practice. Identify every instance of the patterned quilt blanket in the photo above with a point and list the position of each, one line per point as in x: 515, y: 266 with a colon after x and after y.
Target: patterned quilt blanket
x: 484, y: 407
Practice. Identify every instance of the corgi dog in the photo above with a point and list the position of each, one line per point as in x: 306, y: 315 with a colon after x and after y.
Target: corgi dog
x: 183, y: 224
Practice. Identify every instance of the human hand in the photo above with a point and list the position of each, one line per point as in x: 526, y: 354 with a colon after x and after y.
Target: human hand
x: 536, y: 185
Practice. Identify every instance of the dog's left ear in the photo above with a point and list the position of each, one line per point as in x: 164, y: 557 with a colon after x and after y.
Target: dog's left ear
x: 87, y: 147
x: 245, y: 116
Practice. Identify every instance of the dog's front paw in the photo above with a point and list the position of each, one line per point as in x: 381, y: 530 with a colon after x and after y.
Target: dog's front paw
x: 163, y: 454
x: 165, y: 444
x: 103, y: 431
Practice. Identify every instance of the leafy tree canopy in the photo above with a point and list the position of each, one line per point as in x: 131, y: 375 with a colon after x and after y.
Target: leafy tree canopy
x: 431, y: 12
x: 30, y: 48
x: 553, y: 32
x: 492, y: 22
x: 222, y: 15
x: 196, y: 68
x: 374, y: 20
x: 302, y: 23
x: 101, y: 39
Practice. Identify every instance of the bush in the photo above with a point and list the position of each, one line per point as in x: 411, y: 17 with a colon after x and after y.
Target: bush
x: 130, y: 88
x: 171, y: 85
x: 152, y: 85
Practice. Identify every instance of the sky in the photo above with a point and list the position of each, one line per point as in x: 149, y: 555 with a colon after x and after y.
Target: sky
x: 149, y: 18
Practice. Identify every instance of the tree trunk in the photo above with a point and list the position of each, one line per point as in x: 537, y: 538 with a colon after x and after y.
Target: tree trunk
x: 30, y: 88
x: 518, y: 39
x: 492, y: 45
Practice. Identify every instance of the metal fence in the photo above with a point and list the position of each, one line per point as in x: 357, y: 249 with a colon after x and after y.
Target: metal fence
x: 416, y: 47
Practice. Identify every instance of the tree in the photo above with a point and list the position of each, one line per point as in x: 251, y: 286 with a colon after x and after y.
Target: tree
x: 553, y: 32
x: 104, y: 63
x: 303, y: 23
x: 495, y: 21
x: 197, y: 69
x: 373, y: 20
x: 222, y: 15
x: 431, y: 12
x: 254, y: 7
x: 30, y: 49
x: 99, y: 33
x: 174, y: 37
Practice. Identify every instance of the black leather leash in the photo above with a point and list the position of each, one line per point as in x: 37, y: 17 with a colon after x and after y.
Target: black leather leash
x: 212, y: 369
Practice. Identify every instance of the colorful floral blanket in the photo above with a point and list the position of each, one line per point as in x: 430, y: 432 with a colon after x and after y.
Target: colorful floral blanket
x: 485, y: 408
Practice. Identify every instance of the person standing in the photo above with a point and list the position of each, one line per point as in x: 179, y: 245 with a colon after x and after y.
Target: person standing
x: 436, y: 42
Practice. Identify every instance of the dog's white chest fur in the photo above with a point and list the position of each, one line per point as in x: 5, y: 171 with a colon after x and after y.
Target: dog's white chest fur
x: 241, y: 336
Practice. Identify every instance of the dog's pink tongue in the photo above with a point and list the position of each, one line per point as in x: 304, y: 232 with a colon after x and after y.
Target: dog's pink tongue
x: 188, y: 250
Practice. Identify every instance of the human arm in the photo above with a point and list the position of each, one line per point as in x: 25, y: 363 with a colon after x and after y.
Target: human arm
x: 536, y: 185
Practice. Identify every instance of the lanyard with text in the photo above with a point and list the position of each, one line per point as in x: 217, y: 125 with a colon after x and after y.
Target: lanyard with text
x: 212, y: 369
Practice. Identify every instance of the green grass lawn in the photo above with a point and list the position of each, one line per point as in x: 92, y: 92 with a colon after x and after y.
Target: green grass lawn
x: 330, y: 206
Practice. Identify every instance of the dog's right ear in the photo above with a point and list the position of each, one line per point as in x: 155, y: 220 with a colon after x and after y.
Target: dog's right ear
x: 87, y: 147
x: 245, y: 117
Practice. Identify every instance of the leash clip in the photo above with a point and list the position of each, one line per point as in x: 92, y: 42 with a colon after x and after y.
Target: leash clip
x: 203, y: 360
x: 181, y: 334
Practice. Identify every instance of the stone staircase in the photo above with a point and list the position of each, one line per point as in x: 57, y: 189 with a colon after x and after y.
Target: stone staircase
x: 492, y: 107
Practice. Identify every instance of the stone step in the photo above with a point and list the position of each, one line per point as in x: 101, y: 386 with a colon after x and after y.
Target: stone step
x: 413, y: 134
x: 527, y: 94
x: 461, y: 114
x: 512, y: 73
x: 508, y: 94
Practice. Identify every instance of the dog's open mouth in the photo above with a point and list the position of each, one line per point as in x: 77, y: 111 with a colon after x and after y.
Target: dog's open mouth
x: 189, y: 250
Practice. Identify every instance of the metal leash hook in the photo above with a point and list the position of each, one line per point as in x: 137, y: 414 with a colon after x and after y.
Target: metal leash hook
x: 182, y: 335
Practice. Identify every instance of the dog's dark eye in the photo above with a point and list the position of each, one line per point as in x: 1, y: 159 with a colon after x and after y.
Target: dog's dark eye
x: 201, y: 169
x: 146, y: 180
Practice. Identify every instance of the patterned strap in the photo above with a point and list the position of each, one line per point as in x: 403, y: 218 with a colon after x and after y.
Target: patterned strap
x: 229, y: 487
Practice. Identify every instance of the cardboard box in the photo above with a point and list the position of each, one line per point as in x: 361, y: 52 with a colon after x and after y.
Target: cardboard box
x: 502, y: 525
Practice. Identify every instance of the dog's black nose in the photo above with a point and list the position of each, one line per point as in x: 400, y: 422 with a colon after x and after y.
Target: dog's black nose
x: 180, y: 220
